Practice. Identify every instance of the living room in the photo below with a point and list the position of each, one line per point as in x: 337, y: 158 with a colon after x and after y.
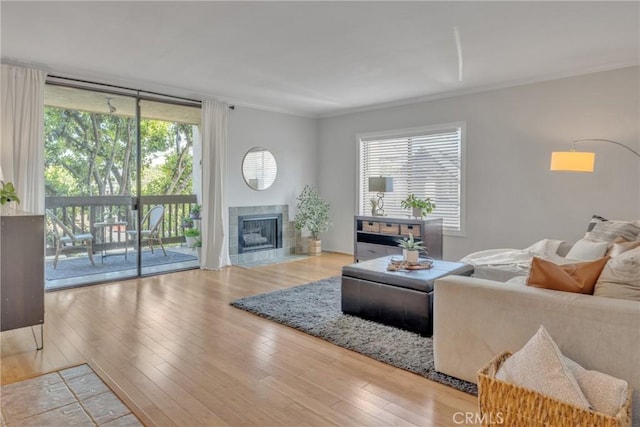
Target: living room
x: 586, y: 86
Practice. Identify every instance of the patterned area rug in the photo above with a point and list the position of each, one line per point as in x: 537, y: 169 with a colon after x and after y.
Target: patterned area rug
x: 73, y: 396
x: 81, y: 266
x: 314, y: 308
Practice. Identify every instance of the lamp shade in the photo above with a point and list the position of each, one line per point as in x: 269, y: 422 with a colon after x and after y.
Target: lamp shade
x: 381, y: 184
x: 572, y: 161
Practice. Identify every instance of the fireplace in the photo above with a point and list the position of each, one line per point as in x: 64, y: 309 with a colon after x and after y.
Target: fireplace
x: 259, y: 232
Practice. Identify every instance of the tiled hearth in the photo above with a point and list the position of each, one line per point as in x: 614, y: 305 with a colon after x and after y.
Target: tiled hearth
x: 288, y: 234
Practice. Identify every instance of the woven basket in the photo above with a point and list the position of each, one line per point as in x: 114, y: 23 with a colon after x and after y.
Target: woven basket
x: 506, y: 404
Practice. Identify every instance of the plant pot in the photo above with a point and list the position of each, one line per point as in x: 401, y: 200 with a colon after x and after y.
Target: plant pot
x: 410, y: 256
x: 191, y: 241
x: 314, y: 246
x: 417, y: 212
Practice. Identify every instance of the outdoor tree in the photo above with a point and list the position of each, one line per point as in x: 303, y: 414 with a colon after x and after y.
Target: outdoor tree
x: 92, y: 154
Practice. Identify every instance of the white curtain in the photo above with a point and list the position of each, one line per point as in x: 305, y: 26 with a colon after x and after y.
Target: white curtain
x: 22, y: 143
x: 215, y: 228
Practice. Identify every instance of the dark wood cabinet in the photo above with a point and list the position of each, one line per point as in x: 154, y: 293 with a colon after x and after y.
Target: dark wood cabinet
x: 22, y: 270
x: 377, y: 236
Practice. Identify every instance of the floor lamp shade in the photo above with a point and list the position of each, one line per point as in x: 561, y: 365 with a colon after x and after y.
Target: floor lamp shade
x: 381, y: 184
x: 573, y: 161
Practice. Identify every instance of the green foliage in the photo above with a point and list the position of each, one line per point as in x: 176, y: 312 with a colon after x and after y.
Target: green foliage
x: 313, y: 212
x: 8, y: 193
x: 426, y: 206
x: 187, y: 222
x: 410, y: 244
x: 195, y: 210
x: 91, y: 154
x: 191, y: 232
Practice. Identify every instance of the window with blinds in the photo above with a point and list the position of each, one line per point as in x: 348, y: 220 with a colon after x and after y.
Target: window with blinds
x: 427, y: 162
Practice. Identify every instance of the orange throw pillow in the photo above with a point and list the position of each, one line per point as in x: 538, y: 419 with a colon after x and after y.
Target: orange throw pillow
x: 578, y: 278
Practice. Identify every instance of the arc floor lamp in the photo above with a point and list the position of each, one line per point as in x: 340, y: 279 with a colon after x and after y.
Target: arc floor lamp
x: 579, y: 161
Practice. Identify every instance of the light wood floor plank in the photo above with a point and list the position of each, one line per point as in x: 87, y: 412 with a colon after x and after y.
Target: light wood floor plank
x: 183, y: 356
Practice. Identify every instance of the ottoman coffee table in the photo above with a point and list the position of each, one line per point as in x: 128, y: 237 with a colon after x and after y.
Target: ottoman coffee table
x: 397, y: 298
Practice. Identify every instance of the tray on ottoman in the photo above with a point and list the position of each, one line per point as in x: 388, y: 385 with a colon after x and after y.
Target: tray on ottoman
x: 397, y: 298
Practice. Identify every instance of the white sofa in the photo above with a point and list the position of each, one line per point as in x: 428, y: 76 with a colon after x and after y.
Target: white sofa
x: 476, y: 319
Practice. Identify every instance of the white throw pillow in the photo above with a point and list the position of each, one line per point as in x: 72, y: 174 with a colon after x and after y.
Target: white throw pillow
x: 539, y: 366
x: 605, y: 393
x: 544, y: 247
x: 587, y: 250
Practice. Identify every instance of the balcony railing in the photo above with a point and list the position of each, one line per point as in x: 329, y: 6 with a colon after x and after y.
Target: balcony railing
x: 81, y: 214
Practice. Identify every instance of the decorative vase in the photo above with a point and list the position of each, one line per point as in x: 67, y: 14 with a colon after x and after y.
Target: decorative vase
x: 315, y: 246
x: 410, y: 256
x: 417, y: 212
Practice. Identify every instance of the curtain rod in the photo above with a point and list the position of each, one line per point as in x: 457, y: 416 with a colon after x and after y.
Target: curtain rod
x: 137, y: 91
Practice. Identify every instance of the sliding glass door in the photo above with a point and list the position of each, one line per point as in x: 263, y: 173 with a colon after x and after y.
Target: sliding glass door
x: 167, y: 193
x: 118, y: 179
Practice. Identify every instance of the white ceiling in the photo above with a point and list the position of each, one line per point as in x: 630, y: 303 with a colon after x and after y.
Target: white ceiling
x: 320, y: 58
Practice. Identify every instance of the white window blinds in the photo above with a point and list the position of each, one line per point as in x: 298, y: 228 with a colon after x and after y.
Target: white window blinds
x: 427, y: 162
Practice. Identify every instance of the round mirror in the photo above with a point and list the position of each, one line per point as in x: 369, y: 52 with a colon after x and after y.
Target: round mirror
x: 259, y: 168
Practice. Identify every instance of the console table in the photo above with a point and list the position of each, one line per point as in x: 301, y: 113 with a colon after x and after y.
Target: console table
x: 377, y: 236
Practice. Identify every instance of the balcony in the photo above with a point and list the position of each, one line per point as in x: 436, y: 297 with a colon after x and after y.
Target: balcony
x: 114, y: 251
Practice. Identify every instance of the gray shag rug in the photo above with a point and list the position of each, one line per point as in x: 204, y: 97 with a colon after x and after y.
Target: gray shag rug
x: 314, y: 308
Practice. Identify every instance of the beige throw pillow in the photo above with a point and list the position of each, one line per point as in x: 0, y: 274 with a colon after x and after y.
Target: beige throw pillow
x: 539, y: 366
x: 605, y: 393
x: 622, y: 246
x: 620, y: 277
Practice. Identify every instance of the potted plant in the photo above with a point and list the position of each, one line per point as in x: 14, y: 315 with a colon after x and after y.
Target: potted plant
x: 195, y: 211
x: 313, y: 214
x: 420, y: 207
x: 187, y: 222
x: 410, y: 249
x: 191, y: 236
x: 198, y: 247
x: 8, y: 193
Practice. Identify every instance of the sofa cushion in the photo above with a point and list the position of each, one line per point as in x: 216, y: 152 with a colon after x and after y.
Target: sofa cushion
x: 580, y: 278
x: 608, y: 231
x: 539, y: 366
x: 595, y: 219
x: 620, y: 278
x: 587, y: 250
x: 622, y: 246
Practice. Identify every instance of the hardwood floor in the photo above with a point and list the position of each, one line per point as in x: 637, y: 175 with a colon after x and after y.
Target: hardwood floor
x: 174, y: 348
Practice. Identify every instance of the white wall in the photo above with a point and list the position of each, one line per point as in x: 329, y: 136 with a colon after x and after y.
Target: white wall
x: 512, y: 198
x: 293, y: 142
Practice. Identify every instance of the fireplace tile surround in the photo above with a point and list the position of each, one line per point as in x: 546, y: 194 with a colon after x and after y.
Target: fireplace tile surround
x: 289, y: 234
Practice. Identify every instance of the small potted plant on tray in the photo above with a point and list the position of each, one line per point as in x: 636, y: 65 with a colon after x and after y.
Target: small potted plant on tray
x: 420, y: 207
x: 410, y: 249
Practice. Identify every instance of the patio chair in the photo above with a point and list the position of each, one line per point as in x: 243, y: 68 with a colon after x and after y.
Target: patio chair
x: 65, y: 238
x: 151, y: 234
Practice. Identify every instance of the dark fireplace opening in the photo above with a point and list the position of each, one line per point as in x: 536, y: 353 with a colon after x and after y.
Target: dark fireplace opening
x: 259, y: 232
